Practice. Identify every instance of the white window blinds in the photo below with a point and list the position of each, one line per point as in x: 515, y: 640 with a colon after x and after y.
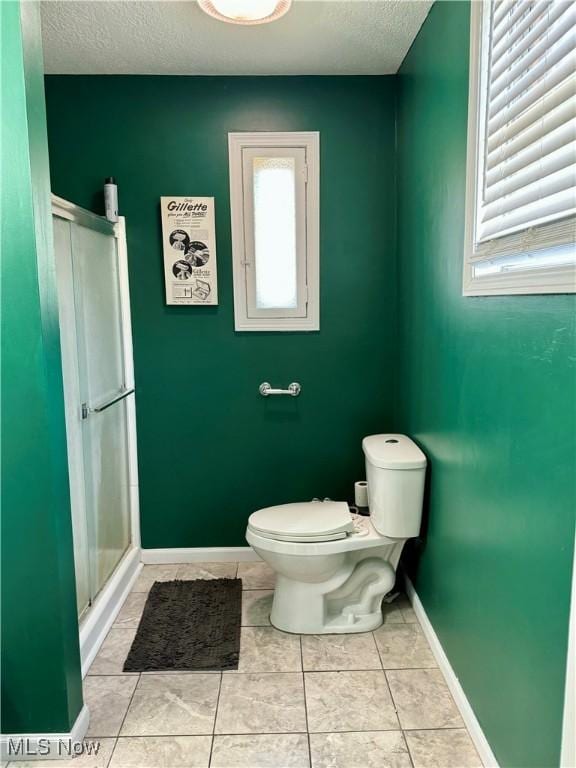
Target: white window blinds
x: 526, y: 161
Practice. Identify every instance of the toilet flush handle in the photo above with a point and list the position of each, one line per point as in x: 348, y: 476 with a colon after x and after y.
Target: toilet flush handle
x: 293, y: 390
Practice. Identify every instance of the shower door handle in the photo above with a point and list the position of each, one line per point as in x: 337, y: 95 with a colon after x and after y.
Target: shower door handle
x: 86, y: 411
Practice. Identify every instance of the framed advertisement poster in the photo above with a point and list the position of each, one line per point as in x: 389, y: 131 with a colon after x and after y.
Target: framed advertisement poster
x: 189, y: 245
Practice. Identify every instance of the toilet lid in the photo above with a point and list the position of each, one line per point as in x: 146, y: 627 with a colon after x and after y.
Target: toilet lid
x: 308, y: 521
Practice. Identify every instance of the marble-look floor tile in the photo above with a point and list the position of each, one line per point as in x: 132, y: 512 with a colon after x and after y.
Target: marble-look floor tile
x: 173, y: 705
x: 131, y: 612
x: 256, y: 607
x: 407, y: 611
x: 107, y: 697
x: 256, y: 575
x: 339, y: 652
x: 392, y: 612
x: 162, y: 752
x: 176, y: 672
x: 193, y: 571
x: 450, y: 748
x: 422, y: 699
x: 371, y: 749
x: 152, y: 573
x: 95, y: 754
x: 265, y: 649
x: 403, y: 646
x: 349, y: 701
x: 254, y: 703
x: 112, y: 654
x: 280, y: 750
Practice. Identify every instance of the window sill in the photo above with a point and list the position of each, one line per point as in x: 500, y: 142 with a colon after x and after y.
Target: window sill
x: 277, y: 324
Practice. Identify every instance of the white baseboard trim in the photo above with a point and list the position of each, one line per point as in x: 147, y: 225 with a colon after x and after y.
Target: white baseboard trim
x: 199, y: 555
x: 45, y: 746
x: 106, y: 607
x: 568, y: 754
x: 476, y: 733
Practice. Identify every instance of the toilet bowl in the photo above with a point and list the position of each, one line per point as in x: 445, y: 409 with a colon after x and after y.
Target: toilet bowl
x: 335, y: 585
x: 333, y: 568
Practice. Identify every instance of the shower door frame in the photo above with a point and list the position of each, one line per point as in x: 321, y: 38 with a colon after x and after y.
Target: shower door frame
x: 96, y: 621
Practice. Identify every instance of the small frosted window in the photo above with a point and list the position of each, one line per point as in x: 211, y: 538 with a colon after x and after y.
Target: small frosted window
x: 275, y: 232
x: 274, y: 193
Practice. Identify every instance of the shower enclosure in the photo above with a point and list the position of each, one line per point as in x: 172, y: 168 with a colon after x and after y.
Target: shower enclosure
x: 97, y: 367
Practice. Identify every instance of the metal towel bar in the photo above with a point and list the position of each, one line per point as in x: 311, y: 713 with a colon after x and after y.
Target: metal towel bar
x: 293, y: 390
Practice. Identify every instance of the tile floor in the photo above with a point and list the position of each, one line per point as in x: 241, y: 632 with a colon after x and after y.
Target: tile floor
x: 374, y: 700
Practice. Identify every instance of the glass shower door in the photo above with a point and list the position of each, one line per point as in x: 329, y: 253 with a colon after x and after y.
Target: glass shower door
x: 94, y: 331
x: 103, y: 392
x: 67, y: 316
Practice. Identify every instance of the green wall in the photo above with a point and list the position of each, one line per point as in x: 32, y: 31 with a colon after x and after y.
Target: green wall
x: 487, y: 388
x: 41, y: 685
x: 211, y: 450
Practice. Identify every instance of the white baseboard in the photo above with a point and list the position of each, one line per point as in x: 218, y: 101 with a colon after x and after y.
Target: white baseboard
x: 45, y: 746
x: 568, y: 754
x: 106, y: 607
x: 199, y: 555
x: 476, y: 733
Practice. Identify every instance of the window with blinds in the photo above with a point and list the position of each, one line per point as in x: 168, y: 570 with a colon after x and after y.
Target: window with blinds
x: 521, y: 202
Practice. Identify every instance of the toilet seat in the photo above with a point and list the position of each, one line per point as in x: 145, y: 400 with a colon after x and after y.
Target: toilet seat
x: 309, y: 548
x: 303, y: 522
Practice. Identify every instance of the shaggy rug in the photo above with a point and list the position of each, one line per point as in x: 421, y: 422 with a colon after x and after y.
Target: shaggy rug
x: 188, y: 626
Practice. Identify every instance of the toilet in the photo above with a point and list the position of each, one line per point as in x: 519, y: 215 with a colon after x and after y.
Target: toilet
x: 333, y: 567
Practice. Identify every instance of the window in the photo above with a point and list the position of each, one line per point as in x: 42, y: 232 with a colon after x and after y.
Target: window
x: 274, y: 196
x: 521, y: 186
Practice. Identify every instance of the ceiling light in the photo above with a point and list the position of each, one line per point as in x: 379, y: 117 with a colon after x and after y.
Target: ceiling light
x: 246, y: 11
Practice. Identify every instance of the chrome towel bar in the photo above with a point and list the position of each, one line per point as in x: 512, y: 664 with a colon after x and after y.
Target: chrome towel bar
x: 293, y: 390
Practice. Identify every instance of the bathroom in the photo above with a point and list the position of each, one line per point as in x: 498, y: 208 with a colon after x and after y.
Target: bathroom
x: 472, y: 661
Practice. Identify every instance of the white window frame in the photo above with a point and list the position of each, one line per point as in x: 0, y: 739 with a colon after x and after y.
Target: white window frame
x: 559, y: 279
x: 306, y: 317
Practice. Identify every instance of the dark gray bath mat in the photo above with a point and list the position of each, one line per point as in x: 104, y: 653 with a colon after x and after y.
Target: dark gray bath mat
x: 188, y: 625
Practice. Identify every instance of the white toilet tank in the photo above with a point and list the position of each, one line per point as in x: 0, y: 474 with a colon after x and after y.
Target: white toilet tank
x: 395, y: 469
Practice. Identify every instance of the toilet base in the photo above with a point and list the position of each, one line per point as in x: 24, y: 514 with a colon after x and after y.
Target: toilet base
x: 350, y: 601
x: 366, y: 624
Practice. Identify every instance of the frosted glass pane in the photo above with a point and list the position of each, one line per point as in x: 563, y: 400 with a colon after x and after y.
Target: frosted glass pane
x: 104, y: 434
x: 68, y: 345
x: 98, y: 303
x: 275, y: 232
x: 108, y: 489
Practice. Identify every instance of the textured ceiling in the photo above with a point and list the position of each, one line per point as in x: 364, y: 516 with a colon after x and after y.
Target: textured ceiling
x: 321, y: 37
